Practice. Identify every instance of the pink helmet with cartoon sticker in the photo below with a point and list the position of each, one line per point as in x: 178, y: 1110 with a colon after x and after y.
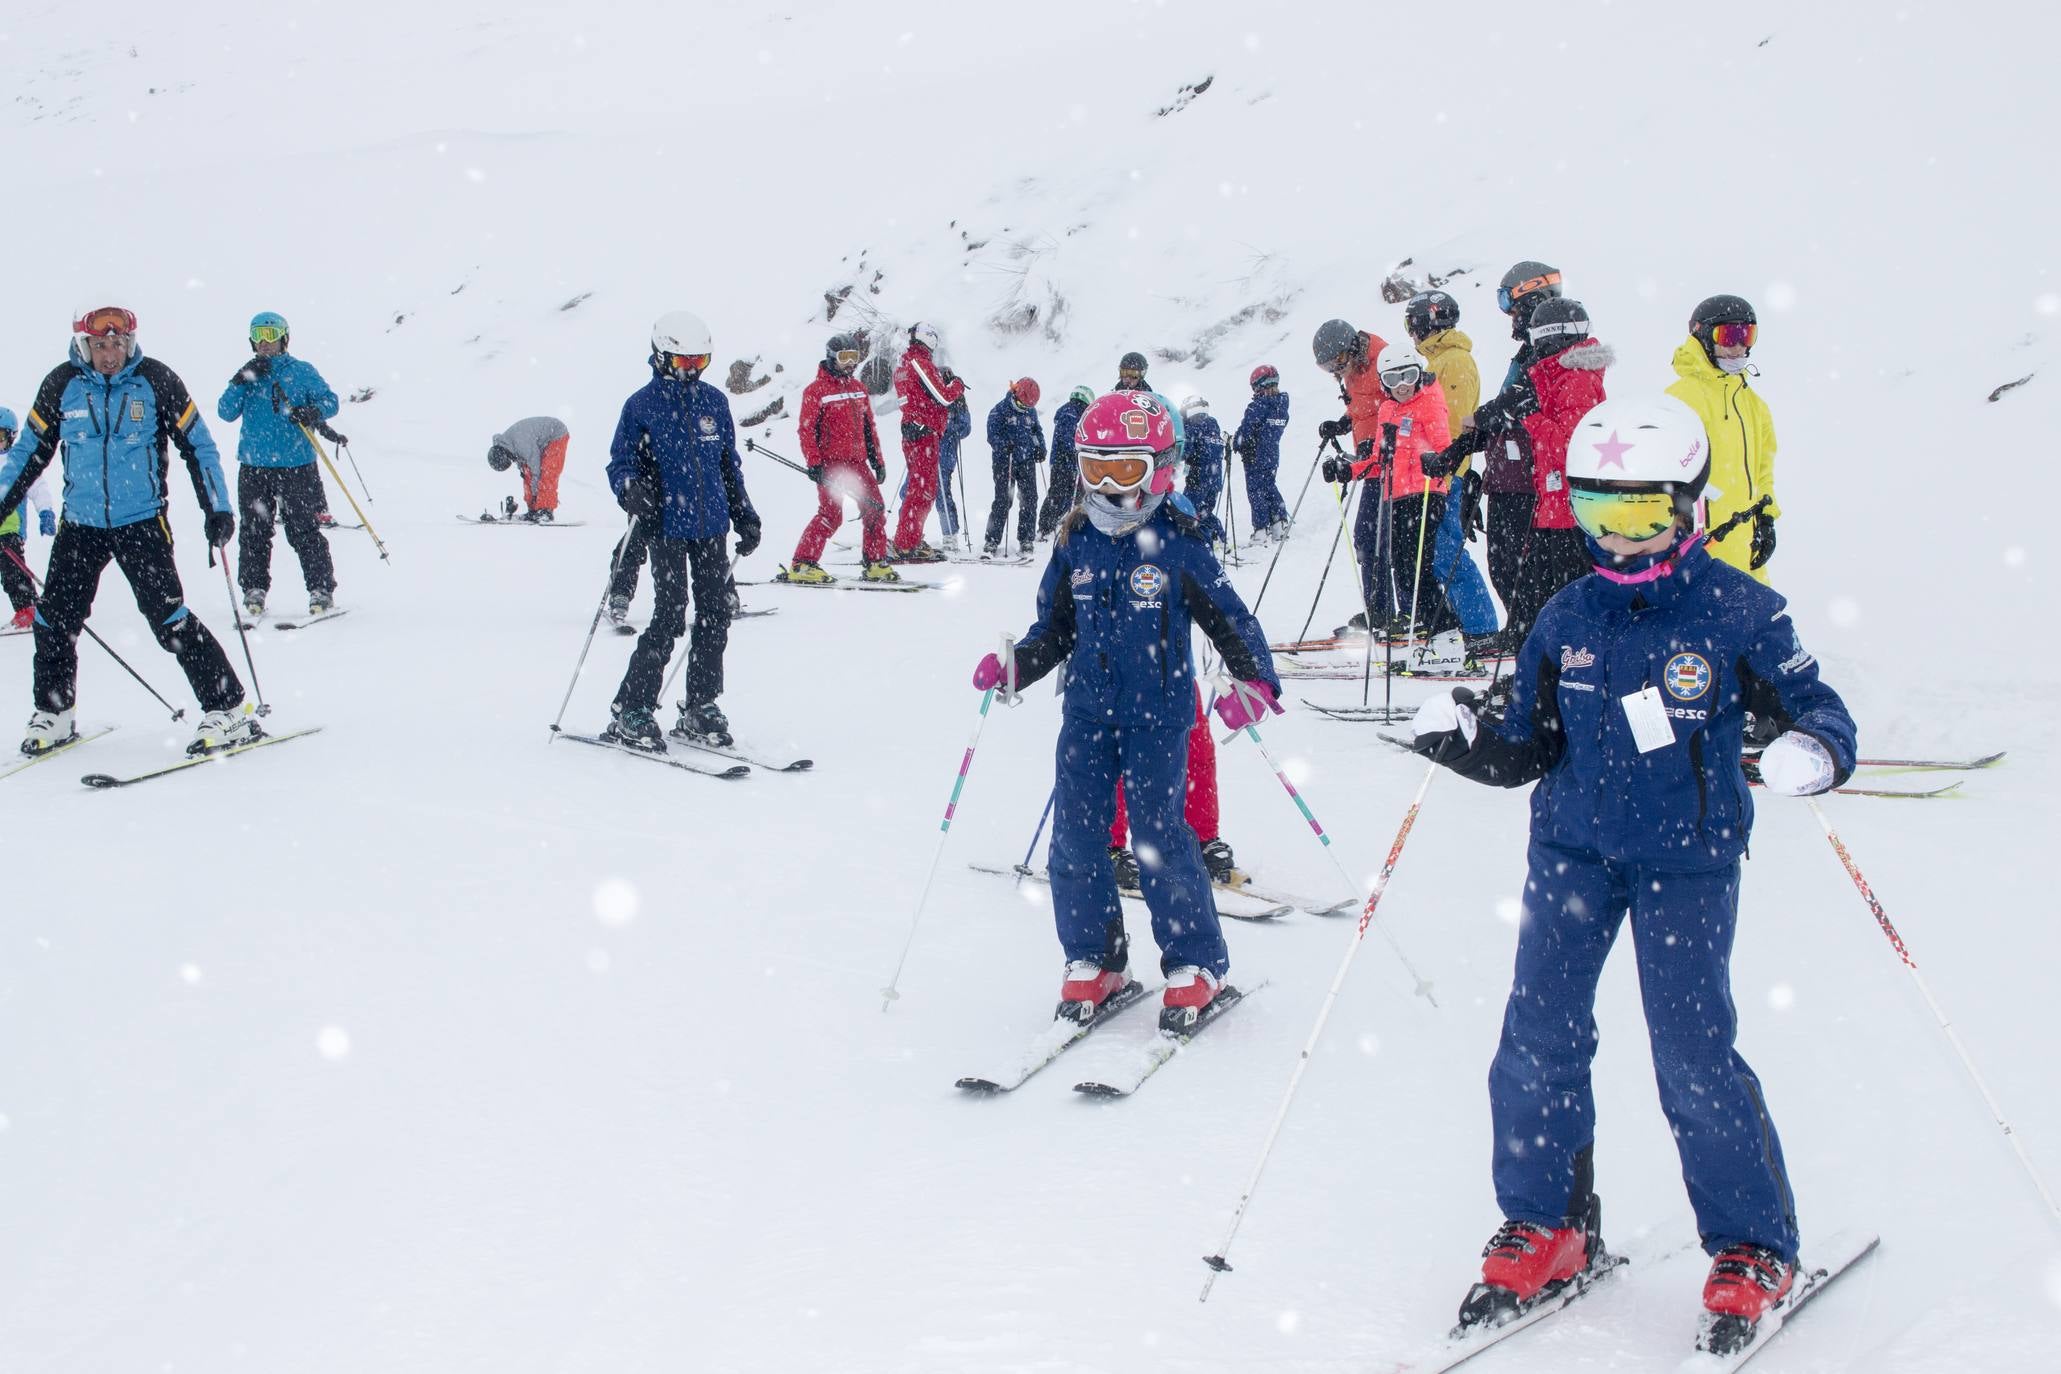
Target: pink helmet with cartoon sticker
x: 1125, y: 443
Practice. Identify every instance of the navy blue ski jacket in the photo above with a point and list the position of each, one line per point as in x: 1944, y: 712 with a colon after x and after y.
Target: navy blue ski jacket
x: 1066, y: 423
x: 1204, y: 453
x: 1118, y: 612
x: 1259, y: 434
x: 1015, y: 433
x: 958, y: 424
x: 679, y: 434
x: 116, y: 434
x: 1716, y: 644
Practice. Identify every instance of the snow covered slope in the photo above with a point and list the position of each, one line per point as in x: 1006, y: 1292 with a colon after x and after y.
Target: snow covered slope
x: 425, y: 1045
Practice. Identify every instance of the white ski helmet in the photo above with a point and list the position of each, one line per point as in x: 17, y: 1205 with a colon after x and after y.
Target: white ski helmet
x: 927, y: 335
x: 1653, y: 439
x: 1402, y: 363
x: 1192, y: 405
x: 681, y: 332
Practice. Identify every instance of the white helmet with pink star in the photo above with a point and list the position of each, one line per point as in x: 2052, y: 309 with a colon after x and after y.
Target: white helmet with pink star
x: 1644, y: 439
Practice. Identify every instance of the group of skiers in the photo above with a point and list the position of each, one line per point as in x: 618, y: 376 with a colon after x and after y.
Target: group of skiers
x: 1627, y: 538
x: 112, y: 415
x: 1644, y: 643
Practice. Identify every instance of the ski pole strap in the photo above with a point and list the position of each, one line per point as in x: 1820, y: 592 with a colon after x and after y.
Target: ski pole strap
x: 1738, y: 518
x: 966, y: 763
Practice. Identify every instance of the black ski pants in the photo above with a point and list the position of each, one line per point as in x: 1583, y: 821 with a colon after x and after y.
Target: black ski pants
x: 1553, y: 559
x: 1508, y: 522
x: 1021, y: 477
x: 681, y: 568
x: 1408, y: 568
x: 143, y: 551
x: 1061, y: 496
x: 624, y: 581
x: 291, y: 497
x: 21, y: 590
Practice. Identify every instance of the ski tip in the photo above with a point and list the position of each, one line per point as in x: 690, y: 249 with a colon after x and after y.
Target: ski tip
x: 739, y: 771
x: 979, y: 1087
x: 1102, y: 1090
x: 101, y: 780
x: 799, y: 766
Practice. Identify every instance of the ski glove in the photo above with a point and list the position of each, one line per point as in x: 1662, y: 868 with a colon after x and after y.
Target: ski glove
x: 308, y: 415
x: 1796, y: 765
x: 251, y: 371
x: 817, y: 474
x: 46, y: 521
x: 221, y: 528
x: 638, y: 497
x: 1470, y: 506
x: 1444, y: 726
x: 1247, y: 703
x: 879, y: 470
x: 748, y: 530
x: 987, y: 674
x: 1763, y: 540
x: 1335, y: 429
x: 912, y: 431
x: 1437, y: 463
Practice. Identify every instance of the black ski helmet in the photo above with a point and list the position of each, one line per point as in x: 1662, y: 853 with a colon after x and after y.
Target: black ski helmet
x: 843, y: 343
x: 1333, y: 338
x: 1131, y: 362
x: 1557, y: 324
x: 1527, y: 278
x: 1430, y: 312
x: 1716, y: 310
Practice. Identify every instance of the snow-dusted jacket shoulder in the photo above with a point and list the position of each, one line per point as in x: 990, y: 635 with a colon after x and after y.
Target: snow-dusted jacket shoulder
x: 1119, y: 613
x: 1014, y: 432
x: 116, y: 435
x: 270, y: 437
x: 679, y: 434
x: 1259, y: 434
x: 1715, y: 644
x: 1066, y: 424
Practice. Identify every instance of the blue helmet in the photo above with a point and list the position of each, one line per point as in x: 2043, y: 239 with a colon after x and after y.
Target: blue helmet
x: 273, y: 324
x: 8, y: 421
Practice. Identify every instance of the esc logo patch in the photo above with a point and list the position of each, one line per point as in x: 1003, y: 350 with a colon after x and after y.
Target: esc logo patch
x: 1147, y: 582
x: 1687, y: 677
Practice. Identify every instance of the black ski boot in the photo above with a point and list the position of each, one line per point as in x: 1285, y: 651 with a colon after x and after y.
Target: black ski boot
x: 635, y: 728
x: 1126, y: 865
x: 1223, y: 869
x: 703, y: 724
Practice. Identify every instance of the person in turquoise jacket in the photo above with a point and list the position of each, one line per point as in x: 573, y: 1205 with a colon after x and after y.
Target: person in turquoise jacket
x: 279, y: 398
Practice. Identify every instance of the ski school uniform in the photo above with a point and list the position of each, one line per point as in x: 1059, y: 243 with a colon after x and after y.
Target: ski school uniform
x: 926, y: 398
x: 1016, y: 445
x: 1119, y: 613
x: 838, y: 437
x: 1203, y: 450
x: 116, y: 434
x: 958, y: 426
x: 1065, y: 476
x: 1258, y: 438
x: 1629, y: 711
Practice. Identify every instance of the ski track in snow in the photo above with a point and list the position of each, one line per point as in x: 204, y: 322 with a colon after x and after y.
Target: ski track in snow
x: 428, y: 1045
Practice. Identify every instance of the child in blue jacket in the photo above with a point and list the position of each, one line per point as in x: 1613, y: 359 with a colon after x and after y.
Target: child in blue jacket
x: 1258, y: 441
x: 1130, y: 577
x: 1628, y: 711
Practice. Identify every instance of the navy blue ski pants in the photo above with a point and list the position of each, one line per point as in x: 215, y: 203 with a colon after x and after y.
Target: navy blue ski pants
x: 1539, y: 1093
x: 1153, y: 763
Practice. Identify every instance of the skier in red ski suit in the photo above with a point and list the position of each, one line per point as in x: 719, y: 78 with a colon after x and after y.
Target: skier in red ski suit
x: 842, y: 449
x: 926, y: 398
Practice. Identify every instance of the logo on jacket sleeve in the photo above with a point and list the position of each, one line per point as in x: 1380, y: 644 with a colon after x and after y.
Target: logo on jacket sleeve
x: 1147, y: 582
x: 135, y: 410
x: 1571, y: 657
x: 708, y: 424
x: 1687, y: 677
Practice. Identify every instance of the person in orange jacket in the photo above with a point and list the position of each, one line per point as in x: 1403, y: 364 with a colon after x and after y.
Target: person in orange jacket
x: 1393, y: 531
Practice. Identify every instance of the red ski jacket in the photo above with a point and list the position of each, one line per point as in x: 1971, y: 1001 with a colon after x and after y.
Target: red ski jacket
x: 1569, y: 385
x: 837, y: 421
x: 1426, y: 413
x: 925, y: 395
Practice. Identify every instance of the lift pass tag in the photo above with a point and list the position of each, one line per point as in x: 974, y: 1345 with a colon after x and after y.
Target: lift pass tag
x: 1647, y: 715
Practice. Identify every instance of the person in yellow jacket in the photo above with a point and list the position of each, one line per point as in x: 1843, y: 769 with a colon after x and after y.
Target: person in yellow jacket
x: 1431, y: 317
x: 1712, y: 364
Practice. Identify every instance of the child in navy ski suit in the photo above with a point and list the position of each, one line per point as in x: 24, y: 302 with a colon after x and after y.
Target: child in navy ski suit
x: 1258, y: 441
x: 1127, y: 581
x: 1628, y: 711
x: 1202, y: 448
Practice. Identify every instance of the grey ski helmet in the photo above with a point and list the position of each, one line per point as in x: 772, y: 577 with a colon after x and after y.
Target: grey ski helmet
x: 1430, y: 312
x: 1526, y: 278
x: 1557, y: 324
x: 1333, y: 338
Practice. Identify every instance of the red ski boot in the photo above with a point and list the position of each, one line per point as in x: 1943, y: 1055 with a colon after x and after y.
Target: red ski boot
x: 1189, y: 991
x: 1745, y: 1281
x: 1088, y: 987
x: 1525, y: 1264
